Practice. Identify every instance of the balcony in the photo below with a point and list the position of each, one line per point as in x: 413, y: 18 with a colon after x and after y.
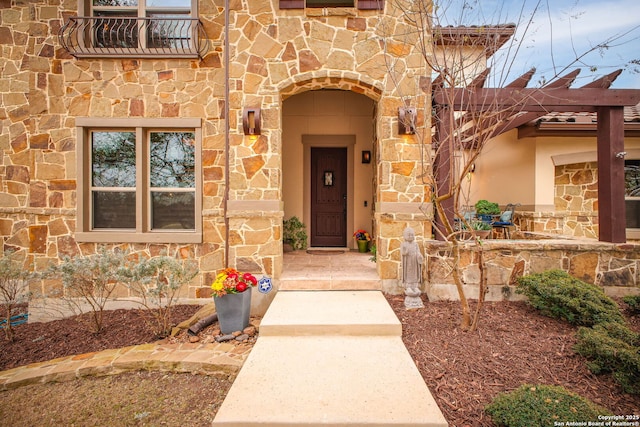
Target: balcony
x: 134, y: 37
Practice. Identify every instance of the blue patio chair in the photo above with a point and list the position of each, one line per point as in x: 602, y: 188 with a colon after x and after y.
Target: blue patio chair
x: 505, y: 222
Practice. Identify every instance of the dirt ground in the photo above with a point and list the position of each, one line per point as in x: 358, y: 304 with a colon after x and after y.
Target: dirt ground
x: 464, y: 371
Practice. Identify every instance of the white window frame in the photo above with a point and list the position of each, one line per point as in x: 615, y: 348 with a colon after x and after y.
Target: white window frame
x: 143, y: 232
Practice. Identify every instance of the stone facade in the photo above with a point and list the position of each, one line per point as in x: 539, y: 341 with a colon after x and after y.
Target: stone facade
x: 274, y: 54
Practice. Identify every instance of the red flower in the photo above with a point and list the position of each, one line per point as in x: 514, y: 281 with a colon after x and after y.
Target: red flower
x: 230, y: 281
x: 248, y: 277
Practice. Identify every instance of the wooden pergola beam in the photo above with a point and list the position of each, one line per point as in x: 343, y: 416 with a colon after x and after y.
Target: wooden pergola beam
x: 611, y: 204
x: 534, y: 100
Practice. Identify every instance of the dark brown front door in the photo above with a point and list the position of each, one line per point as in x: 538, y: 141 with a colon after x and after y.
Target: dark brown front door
x: 328, y: 196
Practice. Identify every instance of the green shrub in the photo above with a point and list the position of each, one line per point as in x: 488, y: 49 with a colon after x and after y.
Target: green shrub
x: 557, y: 294
x: 612, y: 347
x: 91, y: 281
x: 633, y: 301
x: 541, y: 405
x: 485, y: 207
x: 156, y: 282
x: 295, y: 233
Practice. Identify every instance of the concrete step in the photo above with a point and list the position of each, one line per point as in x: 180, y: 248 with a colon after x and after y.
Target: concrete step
x: 347, y: 313
x: 332, y: 358
x: 310, y: 284
x: 329, y: 381
x: 346, y: 270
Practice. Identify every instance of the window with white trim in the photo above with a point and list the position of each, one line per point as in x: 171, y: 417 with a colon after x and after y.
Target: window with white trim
x: 139, y: 180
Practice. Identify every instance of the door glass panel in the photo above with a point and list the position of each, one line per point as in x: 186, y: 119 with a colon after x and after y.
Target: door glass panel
x: 114, y: 209
x: 113, y: 159
x: 172, y: 156
x: 173, y: 211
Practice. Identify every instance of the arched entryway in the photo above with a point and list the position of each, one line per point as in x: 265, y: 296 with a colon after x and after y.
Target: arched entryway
x: 328, y: 164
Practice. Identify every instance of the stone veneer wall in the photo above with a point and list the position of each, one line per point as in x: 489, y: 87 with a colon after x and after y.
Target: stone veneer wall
x: 576, y: 204
x: 274, y: 54
x: 44, y: 89
x: 615, y: 267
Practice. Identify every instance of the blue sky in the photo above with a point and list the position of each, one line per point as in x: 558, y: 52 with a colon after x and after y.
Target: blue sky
x: 560, y: 31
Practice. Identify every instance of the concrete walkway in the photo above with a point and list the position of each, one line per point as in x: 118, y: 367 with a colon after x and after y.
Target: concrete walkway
x: 333, y: 358
x: 196, y: 358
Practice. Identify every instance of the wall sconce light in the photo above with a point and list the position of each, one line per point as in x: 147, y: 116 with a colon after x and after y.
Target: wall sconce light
x: 406, y: 120
x: 472, y: 169
x: 366, y: 157
x: 251, y: 121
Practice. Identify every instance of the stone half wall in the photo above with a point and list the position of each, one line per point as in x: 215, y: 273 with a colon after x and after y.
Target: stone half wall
x: 614, y: 267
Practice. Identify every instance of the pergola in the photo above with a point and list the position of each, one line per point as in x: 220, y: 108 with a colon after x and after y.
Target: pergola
x: 516, y: 105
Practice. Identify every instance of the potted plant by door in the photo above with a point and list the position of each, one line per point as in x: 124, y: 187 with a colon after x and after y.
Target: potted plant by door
x: 294, y: 234
x: 363, y: 238
x: 232, y: 297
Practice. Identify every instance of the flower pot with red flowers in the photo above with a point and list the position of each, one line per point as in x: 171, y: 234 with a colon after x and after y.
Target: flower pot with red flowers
x: 232, y: 297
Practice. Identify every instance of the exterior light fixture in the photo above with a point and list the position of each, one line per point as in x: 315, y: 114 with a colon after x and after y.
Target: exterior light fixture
x: 406, y: 121
x: 251, y: 121
x: 366, y: 157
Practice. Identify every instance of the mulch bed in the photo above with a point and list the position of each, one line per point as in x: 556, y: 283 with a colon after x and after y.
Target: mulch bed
x: 513, y: 345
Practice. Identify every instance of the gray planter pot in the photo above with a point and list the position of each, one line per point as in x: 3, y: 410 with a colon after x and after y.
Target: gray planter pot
x: 233, y: 311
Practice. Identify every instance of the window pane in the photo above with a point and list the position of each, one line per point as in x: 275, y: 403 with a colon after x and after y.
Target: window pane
x: 113, y: 159
x: 172, y: 159
x: 114, y: 29
x: 184, y: 4
x: 169, y: 31
x: 633, y: 213
x: 173, y: 211
x: 115, y: 2
x: 114, y: 209
x: 632, y: 178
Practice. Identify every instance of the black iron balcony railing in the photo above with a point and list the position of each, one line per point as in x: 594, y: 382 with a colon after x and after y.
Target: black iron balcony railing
x: 133, y: 37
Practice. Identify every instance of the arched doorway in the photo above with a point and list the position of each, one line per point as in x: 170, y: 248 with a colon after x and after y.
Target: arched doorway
x: 327, y: 181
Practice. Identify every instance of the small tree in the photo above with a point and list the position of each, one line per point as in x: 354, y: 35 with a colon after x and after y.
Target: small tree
x: 451, y: 60
x: 156, y: 282
x: 91, y: 281
x: 14, y: 290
